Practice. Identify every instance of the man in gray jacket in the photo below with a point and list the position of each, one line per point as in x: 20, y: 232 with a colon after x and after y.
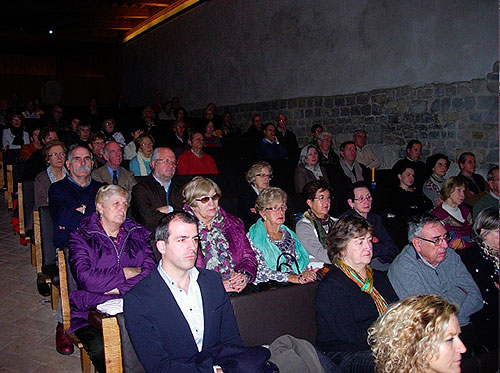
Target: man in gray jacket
x: 428, y: 266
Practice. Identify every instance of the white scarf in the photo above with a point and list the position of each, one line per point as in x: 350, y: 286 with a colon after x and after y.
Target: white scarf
x: 141, y: 160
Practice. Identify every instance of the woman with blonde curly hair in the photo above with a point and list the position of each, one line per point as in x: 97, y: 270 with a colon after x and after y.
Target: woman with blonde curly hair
x: 418, y: 334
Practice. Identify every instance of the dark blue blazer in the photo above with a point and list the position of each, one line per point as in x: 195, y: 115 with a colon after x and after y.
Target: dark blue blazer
x: 160, y: 334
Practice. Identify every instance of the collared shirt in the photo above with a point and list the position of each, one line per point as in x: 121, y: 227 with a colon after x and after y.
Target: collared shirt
x: 255, y: 189
x: 82, y: 186
x: 493, y: 194
x: 110, y: 170
x: 425, y: 261
x: 166, y: 187
x: 190, y: 303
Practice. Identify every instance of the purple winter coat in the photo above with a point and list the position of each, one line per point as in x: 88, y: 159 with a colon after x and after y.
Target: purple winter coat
x: 97, y: 269
x: 243, y: 255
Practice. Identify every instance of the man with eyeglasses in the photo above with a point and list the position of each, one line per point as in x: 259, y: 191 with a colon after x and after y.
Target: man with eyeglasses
x: 427, y: 265
x: 195, y: 161
x: 70, y: 200
x: 157, y: 195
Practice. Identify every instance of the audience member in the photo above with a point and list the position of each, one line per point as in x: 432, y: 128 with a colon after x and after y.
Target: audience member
x: 269, y: 148
x: 227, y: 126
x: 83, y: 135
x: 178, y: 139
x: 166, y: 113
x: 255, y: 130
x: 312, y: 230
x: 210, y: 140
x: 476, y: 186
x: 364, y: 154
x: 224, y: 247
x: 108, y: 255
x: 308, y: 168
x: 287, y: 138
x: 56, y: 119
x: 28, y: 149
x: 491, y: 198
x: 419, y: 334
x: 54, y: 154
x: 194, y: 161
x: 413, y: 150
x: 110, y: 132
x: 258, y: 178
x: 70, y: 134
x: 384, y: 248
x: 36, y: 162
x: 14, y: 136
x: 327, y: 155
x: 316, y: 130
x: 437, y: 165
x: 481, y: 260
x: 428, y: 266
x: 140, y: 165
x: 130, y: 150
x: 92, y: 116
x: 189, y: 310
x: 350, y: 297
x: 455, y: 216
x: 96, y: 145
x: 156, y: 195
x: 30, y: 112
x: 148, y: 119
x: 280, y: 255
x: 111, y: 172
x: 70, y: 200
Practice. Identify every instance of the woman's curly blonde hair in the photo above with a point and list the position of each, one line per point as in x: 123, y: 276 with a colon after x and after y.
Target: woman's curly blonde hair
x: 405, y: 338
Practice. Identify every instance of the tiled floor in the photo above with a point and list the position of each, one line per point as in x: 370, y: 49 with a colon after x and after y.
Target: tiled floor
x: 27, y: 323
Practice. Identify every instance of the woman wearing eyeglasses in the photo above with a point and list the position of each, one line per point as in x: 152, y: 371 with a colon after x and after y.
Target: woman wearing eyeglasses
x: 140, y: 165
x: 315, y: 224
x: 258, y: 178
x: 456, y: 217
x: 109, y: 130
x: 308, y: 168
x: 280, y: 255
x: 224, y: 247
x: 384, y: 248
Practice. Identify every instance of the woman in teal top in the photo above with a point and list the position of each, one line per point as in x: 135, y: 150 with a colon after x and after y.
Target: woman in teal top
x: 140, y: 165
x: 280, y: 255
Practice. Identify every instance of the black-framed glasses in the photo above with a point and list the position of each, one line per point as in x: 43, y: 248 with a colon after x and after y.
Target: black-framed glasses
x: 267, y: 176
x: 204, y: 200
x: 438, y: 241
x: 276, y: 208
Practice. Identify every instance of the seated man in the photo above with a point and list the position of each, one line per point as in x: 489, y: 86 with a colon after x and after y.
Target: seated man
x: 327, y: 155
x: 194, y: 161
x: 476, y: 186
x: 111, y: 172
x: 269, y: 148
x: 364, y: 154
x: 179, y: 318
x: 491, y: 198
x: 384, y: 248
x: 287, y: 138
x: 412, y: 160
x: 178, y: 138
x: 428, y: 266
x: 108, y: 255
x: 156, y: 195
x: 312, y: 230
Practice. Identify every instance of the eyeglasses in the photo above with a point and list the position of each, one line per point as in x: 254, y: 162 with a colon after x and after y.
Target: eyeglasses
x: 276, y: 208
x: 204, y: 200
x: 167, y: 161
x: 57, y: 155
x: 323, y: 198
x: 282, y: 120
x: 438, y: 241
x: 265, y: 176
x: 364, y: 198
x: 147, y: 144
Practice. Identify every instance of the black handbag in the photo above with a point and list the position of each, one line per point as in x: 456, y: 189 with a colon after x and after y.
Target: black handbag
x: 286, y: 264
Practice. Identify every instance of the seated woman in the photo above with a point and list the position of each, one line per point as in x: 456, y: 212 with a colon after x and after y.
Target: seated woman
x: 258, y: 178
x: 384, y: 248
x: 315, y: 224
x: 437, y: 165
x: 280, y: 255
x: 351, y: 296
x: 209, y: 137
x: 109, y: 130
x: 455, y: 216
x: 14, y: 136
x: 140, y: 165
x: 405, y: 201
x: 54, y: 154
x: 108, y: 255
x: 308, y: 168
x: 224, y: 247
x: 481, y: 260
x: 419, y: 334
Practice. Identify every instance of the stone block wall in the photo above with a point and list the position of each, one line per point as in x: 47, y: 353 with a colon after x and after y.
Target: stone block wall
x: 447, y: 118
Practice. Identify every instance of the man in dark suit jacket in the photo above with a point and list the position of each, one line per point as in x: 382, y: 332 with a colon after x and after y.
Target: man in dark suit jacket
x: 179, y: 317
x: 106, y: 174
x: 157, y: 195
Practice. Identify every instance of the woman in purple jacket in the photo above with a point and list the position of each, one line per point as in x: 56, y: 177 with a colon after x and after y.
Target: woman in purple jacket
x: 108, y: 255
x: 224, y: 247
